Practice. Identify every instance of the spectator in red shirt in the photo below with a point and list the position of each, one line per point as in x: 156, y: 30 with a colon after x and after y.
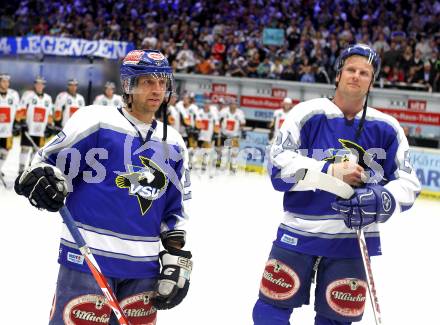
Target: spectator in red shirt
x: 218, y: 49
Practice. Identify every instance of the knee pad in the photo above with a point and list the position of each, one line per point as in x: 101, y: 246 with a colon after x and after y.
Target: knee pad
x: 139, y: 308
x: 268, y: 314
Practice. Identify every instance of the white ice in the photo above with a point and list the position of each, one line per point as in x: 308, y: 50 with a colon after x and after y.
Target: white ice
x: 233, y: 222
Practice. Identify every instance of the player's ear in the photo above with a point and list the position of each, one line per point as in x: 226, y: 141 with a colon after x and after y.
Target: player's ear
x: 337, y: 78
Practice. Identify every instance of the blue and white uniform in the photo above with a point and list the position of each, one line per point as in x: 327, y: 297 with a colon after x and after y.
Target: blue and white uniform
x: 313, y: 134
x: 312, y: 239
x: 126, y: 191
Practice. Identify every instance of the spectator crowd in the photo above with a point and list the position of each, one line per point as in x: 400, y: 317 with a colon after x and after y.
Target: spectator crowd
x: 226, y: 37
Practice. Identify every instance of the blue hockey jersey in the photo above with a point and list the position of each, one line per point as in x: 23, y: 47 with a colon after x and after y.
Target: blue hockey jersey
x: 315, y: 134
x: 127, y: 187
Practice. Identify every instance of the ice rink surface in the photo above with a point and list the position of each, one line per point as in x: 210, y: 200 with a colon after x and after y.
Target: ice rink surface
x: 232, y: 226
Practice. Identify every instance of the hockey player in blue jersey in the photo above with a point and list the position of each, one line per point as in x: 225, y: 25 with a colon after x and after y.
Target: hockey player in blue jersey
x: 124, y: 176
x: 316, y: 240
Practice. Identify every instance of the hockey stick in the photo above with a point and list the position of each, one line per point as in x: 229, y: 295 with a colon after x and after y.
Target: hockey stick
x: 34, y: 145
x: 93, y: 265
x: 312, y: 180
x: 370, y: 280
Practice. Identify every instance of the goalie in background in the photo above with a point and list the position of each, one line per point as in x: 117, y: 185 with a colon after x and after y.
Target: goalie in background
x: 317, y: 240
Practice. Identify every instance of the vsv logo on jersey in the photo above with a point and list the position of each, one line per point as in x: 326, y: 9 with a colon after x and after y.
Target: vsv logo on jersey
x: 351, y: 150
x: 367, y: 159
x: 146, y: 182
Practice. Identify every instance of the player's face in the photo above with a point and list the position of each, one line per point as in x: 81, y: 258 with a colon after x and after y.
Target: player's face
x: 4, y: 85
x: 39, y: 87
x: 355, y: 77
x: 109, y: 91
x: 149, y: 93
x: 173, y: 100
x: 287, y: 107
x: 72, y: 88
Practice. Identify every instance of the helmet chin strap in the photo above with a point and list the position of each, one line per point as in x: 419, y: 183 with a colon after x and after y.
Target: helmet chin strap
x: 364, y: 113
x: 128, y: 100
x: 163, y: 107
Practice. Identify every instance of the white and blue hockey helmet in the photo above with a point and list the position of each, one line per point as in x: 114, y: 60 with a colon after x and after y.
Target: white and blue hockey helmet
x: 5, y: 76
x: 110, y: 84
x: 40, y: 79
x: 143, y: 63
x: 361, y: 50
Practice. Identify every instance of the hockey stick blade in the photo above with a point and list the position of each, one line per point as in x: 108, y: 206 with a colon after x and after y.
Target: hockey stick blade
x: 310, y: 179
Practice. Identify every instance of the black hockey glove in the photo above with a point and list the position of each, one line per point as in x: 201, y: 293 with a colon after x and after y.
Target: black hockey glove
x: 173, y: 283
x: 44, y: 185
x: 51, y: 130
x: 23, y: 126
x: 193, y: 132
x: 16, y: 128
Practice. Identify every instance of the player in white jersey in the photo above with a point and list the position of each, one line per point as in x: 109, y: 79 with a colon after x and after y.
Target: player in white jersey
x: 108, y: 98
x: 207, y: 122
x: 176, y: 116
x: 318, y: 239
x: 188, y: 129
x: 232, y: 121
x: 8, y: 116
x: 214, y: 110
x: 222, y: 105
x: 188, y: 112
x: 135, y: 202
x: 67, y: 103
x: 278, y: 118
x: 15, y: 94
x: 21, y: 112
x: 37, y: 113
